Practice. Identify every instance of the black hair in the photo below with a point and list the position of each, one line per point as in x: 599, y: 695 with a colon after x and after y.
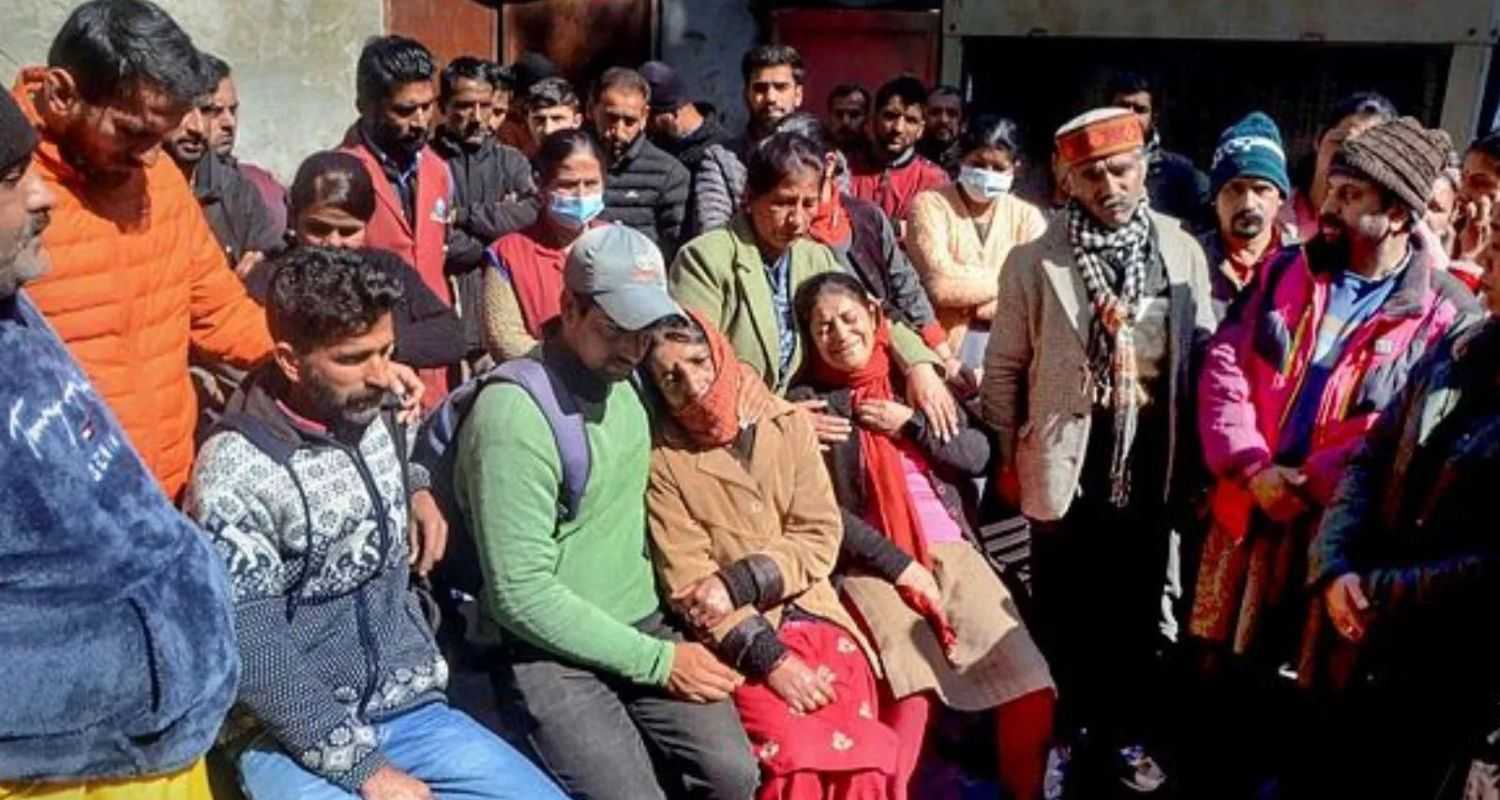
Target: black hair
x: 620, y: 78
x: 772, y: 55
x: 332, y: 178
x: 112, y: 47
x: 1129, y: 82
x: 1488, y: 144
x: 320, y: 295
x: 909, y: 90
x: 501, y: 77
x: 778, y: 157
x: 386, y: 64
x: 1358, y: 104
x: 818, y: 285
x: 215, y: 69
x: 991, y: 131
x: 947, y: 90
x: 807, y: 125
x: 550, y: 92
x: 462, y: 68
x: 849, y: 90
x: 559, y: 146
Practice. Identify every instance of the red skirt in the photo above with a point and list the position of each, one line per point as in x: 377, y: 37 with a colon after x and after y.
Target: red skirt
x: 839, y: 752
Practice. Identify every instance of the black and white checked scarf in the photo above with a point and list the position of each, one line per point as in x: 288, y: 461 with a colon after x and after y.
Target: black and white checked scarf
x: 1113, y: 265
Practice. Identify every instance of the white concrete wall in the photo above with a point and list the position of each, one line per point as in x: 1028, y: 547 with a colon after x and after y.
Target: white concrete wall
x: 293, y: 62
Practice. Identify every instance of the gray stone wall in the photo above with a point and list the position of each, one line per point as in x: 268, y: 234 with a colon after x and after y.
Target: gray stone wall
x: 293, y: 63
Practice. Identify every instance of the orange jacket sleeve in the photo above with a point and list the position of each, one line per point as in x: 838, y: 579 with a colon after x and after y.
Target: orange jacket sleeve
x: 227, y: 324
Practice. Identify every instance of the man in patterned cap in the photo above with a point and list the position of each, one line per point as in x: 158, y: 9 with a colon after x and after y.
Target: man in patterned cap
x: 1089, y: 394
x: 1292, y: 384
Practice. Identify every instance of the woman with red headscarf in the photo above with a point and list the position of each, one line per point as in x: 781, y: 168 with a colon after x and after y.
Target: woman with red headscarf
x: 969, y: 649
x: 744, y: 532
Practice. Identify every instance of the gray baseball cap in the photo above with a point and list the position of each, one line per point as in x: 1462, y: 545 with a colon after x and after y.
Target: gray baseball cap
x: 622, y: 271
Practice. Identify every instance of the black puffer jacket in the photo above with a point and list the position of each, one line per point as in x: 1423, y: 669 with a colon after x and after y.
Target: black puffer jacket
x: 647, y: 189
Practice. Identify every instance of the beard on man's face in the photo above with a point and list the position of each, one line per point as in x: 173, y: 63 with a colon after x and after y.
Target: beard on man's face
x: 354, y: 410
x: 1331, y: 247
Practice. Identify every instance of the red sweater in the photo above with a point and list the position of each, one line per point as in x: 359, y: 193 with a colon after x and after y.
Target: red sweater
x: 892, y: 186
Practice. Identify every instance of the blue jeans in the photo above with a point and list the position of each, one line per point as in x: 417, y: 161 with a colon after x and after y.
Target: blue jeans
x: 439, y: 746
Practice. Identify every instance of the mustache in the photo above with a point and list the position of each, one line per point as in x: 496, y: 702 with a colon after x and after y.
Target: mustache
x: 1248, y: 216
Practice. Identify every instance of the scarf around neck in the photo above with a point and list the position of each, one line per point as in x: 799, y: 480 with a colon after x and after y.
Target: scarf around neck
x: 830, y: 224
x: 889, y: 507
x: 1113, y: 265
x: 713, y: 419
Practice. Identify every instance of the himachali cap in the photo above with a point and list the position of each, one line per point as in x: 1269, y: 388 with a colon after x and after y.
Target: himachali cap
x: 1100, y: 133
x: 623, y: 273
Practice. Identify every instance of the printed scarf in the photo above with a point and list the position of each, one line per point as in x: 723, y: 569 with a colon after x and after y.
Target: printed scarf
x: 1113, y: 263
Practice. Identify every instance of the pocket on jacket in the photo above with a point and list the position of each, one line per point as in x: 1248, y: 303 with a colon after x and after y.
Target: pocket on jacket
x: 87, y: 665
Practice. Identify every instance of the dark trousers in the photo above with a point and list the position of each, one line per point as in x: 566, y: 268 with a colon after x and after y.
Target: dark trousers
x: 603, y: 738
x: 1096, y: 578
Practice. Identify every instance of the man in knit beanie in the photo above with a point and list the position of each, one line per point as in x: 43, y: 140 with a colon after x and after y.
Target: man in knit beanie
x: 1248, y: 183
x: 1290, y: 386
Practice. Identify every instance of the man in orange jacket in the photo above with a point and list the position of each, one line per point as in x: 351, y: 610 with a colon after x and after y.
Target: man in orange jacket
x: 138, y: 278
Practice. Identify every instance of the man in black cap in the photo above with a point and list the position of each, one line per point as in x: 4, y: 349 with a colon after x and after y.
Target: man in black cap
x: 678, y: 124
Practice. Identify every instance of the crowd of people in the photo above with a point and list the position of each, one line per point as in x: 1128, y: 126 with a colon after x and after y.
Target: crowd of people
x: 687, y: 440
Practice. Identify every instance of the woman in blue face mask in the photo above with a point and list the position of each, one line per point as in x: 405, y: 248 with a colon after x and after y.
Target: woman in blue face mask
x: 960, y: 234
x: 523, y: 277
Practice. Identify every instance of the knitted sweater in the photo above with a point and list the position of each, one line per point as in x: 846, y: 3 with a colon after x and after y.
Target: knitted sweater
x: 572, y: 588
x: 114, y: 612
x: 314, y: 533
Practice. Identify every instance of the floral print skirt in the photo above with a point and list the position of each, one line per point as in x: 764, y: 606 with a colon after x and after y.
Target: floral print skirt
x: 839, y: 752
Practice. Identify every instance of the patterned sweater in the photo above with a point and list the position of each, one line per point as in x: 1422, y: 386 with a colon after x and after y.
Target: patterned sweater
x: 314, y: 533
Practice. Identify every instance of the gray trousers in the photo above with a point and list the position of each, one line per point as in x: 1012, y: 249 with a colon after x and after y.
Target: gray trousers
x: 605, y: 738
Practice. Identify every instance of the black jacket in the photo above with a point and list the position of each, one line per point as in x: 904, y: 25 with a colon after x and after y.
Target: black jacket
x: 647, y: 189
x: 234, y: 209
x: 1178, y: 189
x: 428, y: 333
x: 494, y: 193
x: 1409, y: 517
x: 690, y: 149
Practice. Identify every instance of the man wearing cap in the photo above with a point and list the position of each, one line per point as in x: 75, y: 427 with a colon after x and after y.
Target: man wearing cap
x: 1248, y: 184
x: 592, y: 664
x: 1294, y: 380
x: 118, y: 641
x: 1089, y: 393
x: 678, y: 124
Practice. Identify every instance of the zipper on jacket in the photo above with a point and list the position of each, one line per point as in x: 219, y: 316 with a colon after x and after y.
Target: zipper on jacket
x: 361, y: 605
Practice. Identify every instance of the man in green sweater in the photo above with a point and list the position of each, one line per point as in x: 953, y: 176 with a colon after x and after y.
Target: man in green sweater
x: 601, y: 677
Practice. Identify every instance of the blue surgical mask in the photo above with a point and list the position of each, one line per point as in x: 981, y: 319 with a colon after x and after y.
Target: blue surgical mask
x: 985, y: 184
x: 576, y: 211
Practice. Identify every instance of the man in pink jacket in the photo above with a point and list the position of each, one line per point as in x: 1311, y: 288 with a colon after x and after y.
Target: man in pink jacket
x: 1293, y: 381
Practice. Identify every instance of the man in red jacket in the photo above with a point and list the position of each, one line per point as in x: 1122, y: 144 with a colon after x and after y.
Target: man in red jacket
x: 397, y: 99
x: 892, y: 172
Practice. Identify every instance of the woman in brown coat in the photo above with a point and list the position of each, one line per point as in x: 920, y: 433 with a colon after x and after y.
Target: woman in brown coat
x: 745, y: 531
x: 895, y: 478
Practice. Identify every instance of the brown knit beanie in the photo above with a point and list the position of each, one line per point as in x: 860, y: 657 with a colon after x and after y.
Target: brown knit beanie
x: 1400, y: 155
